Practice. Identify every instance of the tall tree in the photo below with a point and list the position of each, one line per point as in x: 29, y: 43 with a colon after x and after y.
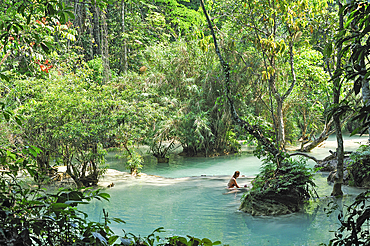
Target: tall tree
x: 337, y: 113
x: 253, y: 130
x: 105, y: 46
x: 274, y: 34
x: 96, y: 33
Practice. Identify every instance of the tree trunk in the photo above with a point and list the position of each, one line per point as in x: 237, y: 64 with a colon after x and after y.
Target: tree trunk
x: 255, y: 131
x: 280, y: 99
x: 323, y: 136
x: 96, y: 30
x: 280, y: 123
x: 80, y: 16
x: 105, y: 48
x: 124, y: 64
x: 338, y: 181
x: 327, y: 131
x: 366, y: 95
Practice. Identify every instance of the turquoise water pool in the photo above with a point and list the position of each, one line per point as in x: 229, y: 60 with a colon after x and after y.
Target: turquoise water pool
x: 187, y: 197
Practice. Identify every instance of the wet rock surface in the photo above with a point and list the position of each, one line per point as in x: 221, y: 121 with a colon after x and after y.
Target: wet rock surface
x: 271, y: 203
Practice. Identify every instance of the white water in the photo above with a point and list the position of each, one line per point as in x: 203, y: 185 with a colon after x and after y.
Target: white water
x: 188, y: 199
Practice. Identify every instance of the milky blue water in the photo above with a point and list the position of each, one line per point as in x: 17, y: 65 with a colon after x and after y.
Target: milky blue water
x: 187, y: 197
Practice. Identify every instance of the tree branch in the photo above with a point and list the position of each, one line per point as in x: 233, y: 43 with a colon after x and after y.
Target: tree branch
x: 253, y: 130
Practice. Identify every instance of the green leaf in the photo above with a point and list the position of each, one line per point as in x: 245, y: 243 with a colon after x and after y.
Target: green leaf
x: 59, y: 206
x: 33, y: 151
x: 29, y: 19
x: 118, y: 220
x: 348, y: 22
x: 328, y: 50
x: 74, y: 203
x: 44, y: 47
x: 18, y: 120
x: 112, y: 239
x: 367, y: 75
x: 71, y: 15
x: 105, y: 196
x: 206, y: 242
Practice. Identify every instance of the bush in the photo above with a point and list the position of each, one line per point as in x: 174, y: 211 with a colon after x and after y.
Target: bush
x: 279, y: 189
x: 359, y: 167
x: 96, y: 65
x: 31, y: 216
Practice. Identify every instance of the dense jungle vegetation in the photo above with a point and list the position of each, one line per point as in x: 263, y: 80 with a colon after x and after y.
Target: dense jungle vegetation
x: 80, y: 77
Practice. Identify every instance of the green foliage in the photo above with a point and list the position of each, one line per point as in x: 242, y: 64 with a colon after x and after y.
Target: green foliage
x: 355, y: 37
x: 306, y: 106
x: 162, y: 141
x: 289, y: 176
x: 32, y: 216
x: 184, y: 71
x: 191, y: 241
x: 67, y: 117
x: 27, y: 32
x: 135, y: 26
x: 359, y: 167
x: 354, y: 221
x: 134, y: 161
x: 96, y: 65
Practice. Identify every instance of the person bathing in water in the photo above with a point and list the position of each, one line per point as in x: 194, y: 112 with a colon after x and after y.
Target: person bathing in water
x: 232, y: 183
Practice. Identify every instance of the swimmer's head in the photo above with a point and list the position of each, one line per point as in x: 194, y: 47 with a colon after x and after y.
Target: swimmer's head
x: 236, y: 174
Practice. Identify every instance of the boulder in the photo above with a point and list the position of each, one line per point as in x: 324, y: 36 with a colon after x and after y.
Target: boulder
x: 270, y: 204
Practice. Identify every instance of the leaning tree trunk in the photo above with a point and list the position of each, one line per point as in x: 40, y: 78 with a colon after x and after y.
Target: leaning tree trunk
x: 326, y: 132
x: 254, y: 130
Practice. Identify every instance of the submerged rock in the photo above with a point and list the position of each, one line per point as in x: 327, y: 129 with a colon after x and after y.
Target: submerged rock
x: 331, y: 165
x: 354, y: 172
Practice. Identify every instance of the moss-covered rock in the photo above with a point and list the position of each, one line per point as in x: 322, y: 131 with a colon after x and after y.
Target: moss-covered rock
x: 356, y: 168
x: 279, y: 189
x: 270, y: 203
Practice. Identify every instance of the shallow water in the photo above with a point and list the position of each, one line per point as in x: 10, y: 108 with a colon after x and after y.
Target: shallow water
x: 189, y: 199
